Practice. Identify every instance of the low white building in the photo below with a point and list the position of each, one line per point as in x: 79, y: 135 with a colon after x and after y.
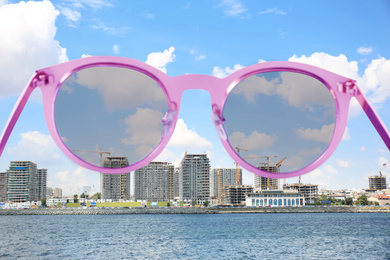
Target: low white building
x: 275, y: 198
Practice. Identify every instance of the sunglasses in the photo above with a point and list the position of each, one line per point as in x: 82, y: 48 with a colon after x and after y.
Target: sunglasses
x: 127, y: 108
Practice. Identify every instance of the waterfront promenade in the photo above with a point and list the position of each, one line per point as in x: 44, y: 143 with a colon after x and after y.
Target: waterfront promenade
x: 192, y: 210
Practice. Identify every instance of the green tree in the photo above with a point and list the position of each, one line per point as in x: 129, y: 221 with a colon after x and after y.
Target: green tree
x: 43, y: 202
x: 75, y: 198
x: 206, y: 203
x: 97, y: 196
x: 348, y: 201
x: 193, y: 202
x: 362, y: 200
x: 82, y: 196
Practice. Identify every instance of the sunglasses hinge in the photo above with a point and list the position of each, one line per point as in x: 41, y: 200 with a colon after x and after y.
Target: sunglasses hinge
x: 348, y: 87
x: 41, y: 79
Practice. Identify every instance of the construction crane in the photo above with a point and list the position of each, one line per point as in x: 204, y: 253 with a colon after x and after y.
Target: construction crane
x: 278, y: 164
x: 101, y: 154
x: 268, y: 158
x: 238, y: 172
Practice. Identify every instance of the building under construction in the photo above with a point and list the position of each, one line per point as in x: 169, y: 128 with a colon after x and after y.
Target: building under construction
x: 235, y: 194
x: 309, y: 191
x: 377, y: 183
x: 221, y: 177
x: 267, y: 183
x: 115, y: 186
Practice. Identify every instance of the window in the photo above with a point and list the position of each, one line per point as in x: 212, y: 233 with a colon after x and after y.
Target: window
x: 280, y: 202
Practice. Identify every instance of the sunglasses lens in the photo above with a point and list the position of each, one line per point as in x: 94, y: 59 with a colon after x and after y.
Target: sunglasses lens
x: 275, y: 115
x: 111, y: 109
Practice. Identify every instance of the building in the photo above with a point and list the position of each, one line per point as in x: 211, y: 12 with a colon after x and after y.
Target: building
x: 309, y: 191
x: 194, y: 178
x: 235, y: 194
x: 49, y: 192
x: 154, y: 182
x: 275, y: 198
x: 115, y: 186
x: 22, y: 181
x: 267, y: 183
x: 41, y: 183
x: 57, y: 193
x: 381, y: 199
x: 3, y: 186
x: 228, y: 177
x: 377, y: 183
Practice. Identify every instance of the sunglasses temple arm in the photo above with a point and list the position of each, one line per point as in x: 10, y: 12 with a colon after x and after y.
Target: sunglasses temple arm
x: 374, y: 118
x: 16, y: 113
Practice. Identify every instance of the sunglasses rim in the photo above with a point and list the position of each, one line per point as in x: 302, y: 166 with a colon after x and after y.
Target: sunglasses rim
x: 166, y: 84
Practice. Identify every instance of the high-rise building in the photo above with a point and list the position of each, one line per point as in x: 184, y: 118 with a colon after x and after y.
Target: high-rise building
x: 49, y: 192
x: 41, y: 183
x: 57, y: 193
x: 3, y: 186
x: 377, y: 183
x: 228, y: 176
x: 115, y: 186
x: 194, y: 178
x: 267, y: 183
x: 22, y: 181
x: 154, y: 182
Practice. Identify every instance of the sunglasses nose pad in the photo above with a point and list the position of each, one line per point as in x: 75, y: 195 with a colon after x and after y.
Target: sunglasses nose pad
x: 167, y: 121
x: 218, y: 121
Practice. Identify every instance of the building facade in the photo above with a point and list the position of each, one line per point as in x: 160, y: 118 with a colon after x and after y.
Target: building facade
x: 22, y: 181
x: 41, y: 183
x: 275, y: 198
x: 3, y: 186
x: 154, y: 182
x: 57, y: 193
x: 115, y: 186
x: 194, y: 178
x: 267, y: 183
x: 308, y: 191
x: 227, y: 175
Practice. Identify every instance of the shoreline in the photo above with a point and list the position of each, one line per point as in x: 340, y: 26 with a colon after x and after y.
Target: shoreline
x: 191, y: 210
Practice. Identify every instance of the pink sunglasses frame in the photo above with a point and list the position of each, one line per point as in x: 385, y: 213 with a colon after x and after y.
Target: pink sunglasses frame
x: 50, y: 79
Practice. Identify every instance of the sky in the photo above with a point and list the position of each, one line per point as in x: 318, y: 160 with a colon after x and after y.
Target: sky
x: 211, y: 37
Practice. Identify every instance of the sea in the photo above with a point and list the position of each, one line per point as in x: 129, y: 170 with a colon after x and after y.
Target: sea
x: 197, y: 236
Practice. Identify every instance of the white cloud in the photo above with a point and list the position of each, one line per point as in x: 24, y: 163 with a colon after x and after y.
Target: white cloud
x: 337, y: 64
x: 342, y: 164
x: 310, y: 152
x: 71, y: 180
x: 254, y: 141
x: 233, y: 8
x: 37, y: 147
x: 185, y: 138
x: 160, y: 60
x: 346, y: 135
x: 109, y: 29
x: 95, y: 4
x: 116, y: 48
x: 72, y: 16
x: 363, y: 149
x: 364, y: 50
x: 221, y: 73
x: 377, y: 80
x: 27, y: 43
x: 273, y: 11
x: 147, y: 15
x: 323, y: 135
x: 86, y: 55
x: 200, y: 57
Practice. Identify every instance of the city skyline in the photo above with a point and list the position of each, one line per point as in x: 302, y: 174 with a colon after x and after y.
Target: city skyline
x: 229, y: 36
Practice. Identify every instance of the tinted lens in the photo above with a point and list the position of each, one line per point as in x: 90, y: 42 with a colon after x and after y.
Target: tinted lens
x: 115, y: 109
x: 283, y: 114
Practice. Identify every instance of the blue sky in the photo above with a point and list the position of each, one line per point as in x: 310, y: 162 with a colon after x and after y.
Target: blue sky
x: 198, y: 37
